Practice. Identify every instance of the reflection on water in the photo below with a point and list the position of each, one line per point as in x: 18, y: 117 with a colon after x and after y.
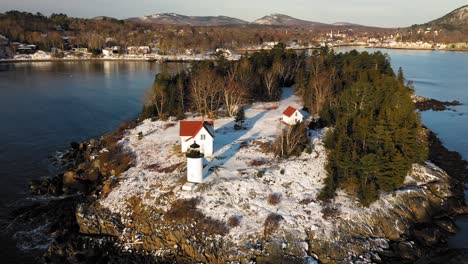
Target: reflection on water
x: 46, y: 105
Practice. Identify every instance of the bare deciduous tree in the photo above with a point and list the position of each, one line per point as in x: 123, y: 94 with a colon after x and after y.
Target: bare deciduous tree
x: 320, y: 85
x: 234, y: 96
x: 290, y: 140
x: 270, y: 79
x: 206, y: 89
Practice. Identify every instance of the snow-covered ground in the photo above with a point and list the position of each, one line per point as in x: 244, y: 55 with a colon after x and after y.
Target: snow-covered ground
x: 234, y: 186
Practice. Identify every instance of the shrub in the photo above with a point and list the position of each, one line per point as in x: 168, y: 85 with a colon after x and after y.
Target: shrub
x: 257, y: 162
x: 274, y: 198
x: 260, y: 174
x: 329, y: 212
x: 272, y: 223
x: 282, y: 171
x: 291, y: 141
x: 140, y: 135
x: 234, y: 221
x: 308, y: 149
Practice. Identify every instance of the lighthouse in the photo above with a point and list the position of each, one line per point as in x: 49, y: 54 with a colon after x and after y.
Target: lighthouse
x: 194, y: 164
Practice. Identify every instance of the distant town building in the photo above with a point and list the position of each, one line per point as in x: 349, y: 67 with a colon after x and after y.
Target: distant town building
x: 111, y: 51
x: 138, y: 50
x: 80, y: 50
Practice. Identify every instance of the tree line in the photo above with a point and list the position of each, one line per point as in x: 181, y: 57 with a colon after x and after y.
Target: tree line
x: 223, y: 87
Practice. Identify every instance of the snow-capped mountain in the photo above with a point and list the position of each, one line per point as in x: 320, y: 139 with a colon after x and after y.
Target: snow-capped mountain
x: 284, y: 20
x: 341, y: 24
x: 176, y: 19
x: 458, y: 18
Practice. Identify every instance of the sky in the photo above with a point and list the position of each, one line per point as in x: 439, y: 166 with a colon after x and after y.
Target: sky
x: 383, y: 13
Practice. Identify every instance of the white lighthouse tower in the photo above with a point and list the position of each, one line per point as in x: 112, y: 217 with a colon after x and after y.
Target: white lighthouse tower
x: 194, y: 164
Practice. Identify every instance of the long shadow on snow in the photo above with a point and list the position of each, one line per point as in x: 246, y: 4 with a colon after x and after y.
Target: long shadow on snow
x: 232, y: 143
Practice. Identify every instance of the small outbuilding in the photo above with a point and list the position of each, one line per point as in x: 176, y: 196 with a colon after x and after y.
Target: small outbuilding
x: 292, y: 116
x: 200, y: 131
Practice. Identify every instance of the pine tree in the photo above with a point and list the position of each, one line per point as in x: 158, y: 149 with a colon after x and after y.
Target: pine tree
x: 400, y: 76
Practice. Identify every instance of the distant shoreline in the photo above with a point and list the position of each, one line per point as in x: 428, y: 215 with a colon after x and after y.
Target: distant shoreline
x: 4, y: 61
x: 188, y: 59
x: 417, y: 49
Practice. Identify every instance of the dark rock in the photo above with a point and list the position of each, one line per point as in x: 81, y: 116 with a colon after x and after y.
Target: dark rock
x: 407, y: 251
x: 462, y: 210
x: 93, y: 175
x: 428, y: 236
x: 447, y: 224
x: 435, y: 105
x: 74, y: 145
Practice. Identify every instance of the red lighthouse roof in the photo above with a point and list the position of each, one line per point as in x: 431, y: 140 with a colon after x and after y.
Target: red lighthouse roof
x: 289, y: 111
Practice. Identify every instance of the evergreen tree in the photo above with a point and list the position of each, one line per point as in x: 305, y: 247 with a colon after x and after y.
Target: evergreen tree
x: 400, y: 76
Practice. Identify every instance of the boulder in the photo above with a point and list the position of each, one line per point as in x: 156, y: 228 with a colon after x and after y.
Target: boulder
x: 447, y: 224
x: 407, y: 251
x: 70, y: 178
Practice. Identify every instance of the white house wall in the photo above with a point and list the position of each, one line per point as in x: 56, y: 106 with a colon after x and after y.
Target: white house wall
x: 206, y: 146
x: 293, y: 119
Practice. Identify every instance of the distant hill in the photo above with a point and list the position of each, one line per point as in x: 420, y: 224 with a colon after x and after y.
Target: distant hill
x: 176, y: 19
x: 455, y: 20
x: 270, y: 20
x: 284, y: 20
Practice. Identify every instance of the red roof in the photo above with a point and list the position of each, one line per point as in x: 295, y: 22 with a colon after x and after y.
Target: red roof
x: 191, y: 128
x: 289, y: 111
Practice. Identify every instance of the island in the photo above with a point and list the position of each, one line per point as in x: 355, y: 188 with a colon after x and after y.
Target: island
x: 276, y: 158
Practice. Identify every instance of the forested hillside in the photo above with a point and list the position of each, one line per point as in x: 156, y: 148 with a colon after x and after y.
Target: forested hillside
x: 376, y: 134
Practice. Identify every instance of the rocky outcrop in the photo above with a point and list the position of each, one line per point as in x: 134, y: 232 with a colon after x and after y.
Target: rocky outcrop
x: 409, y: 223
x: 401, y: 227
x: 424, y: 104
x: 89, y: 168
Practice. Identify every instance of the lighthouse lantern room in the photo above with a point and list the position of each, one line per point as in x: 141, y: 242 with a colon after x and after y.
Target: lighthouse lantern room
x: 194, y: 164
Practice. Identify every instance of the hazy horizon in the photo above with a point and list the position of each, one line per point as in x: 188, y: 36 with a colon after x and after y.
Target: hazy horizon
x: 386, y: 13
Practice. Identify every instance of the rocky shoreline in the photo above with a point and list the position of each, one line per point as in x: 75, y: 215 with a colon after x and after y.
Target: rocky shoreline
x: 416, y: 227
x: 424, y: 104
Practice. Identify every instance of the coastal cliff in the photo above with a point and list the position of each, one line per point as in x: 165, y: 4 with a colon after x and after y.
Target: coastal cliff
x: 168, y: 225
x: 400, y: 226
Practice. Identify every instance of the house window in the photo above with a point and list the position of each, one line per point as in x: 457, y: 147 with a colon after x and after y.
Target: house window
x: 202, y: 137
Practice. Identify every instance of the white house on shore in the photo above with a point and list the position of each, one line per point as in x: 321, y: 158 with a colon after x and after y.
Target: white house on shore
x: 201, y: 132
x: 292, y: 116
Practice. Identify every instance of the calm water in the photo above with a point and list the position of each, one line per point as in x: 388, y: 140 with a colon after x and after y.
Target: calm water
x: 442, y: 76
x: 45, y: 106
